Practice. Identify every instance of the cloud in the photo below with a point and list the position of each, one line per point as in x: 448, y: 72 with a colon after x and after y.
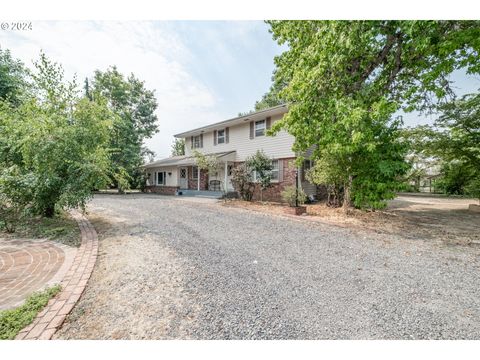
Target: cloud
x: 154, y: 53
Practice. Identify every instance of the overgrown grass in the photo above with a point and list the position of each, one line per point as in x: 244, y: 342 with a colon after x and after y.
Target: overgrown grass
x: 14, y: 320
x: 61, y: 228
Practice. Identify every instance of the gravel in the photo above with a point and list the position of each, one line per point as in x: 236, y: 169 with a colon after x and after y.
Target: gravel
x: 174, y: 268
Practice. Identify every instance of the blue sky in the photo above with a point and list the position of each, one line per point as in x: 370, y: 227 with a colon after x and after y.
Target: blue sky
x: 202, y: 71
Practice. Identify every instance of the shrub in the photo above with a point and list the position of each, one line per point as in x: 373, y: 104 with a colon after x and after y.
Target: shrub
x: 262, y: 165
x: 288, y: 195
x: 242, y: 182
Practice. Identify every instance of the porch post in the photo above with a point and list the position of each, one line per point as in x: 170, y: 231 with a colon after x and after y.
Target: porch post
x: 199, y: 174
x: 226, y: 177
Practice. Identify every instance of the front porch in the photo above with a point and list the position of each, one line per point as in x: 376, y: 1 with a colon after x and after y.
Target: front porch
x: 202, y: 193
x: 181, y: 174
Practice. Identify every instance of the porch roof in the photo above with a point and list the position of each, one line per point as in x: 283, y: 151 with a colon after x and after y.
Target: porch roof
x: 188, y: 160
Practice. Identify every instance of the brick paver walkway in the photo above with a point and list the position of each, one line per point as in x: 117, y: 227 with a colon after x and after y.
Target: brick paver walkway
x: 73, y: 284
x: 27, y: 266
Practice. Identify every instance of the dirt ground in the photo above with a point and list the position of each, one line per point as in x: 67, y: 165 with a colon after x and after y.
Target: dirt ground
x: 135, y: 291
x: 444, y: 220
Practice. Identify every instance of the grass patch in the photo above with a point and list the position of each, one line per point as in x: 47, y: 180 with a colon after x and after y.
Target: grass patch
x: 14, y: 320
x: 61, y: 228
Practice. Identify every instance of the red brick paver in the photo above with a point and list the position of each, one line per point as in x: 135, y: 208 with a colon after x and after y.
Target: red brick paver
x: 29, y: 265
x: 73, y: 284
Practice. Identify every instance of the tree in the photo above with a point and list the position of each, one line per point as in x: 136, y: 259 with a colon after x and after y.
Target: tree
x: 271, y: 98
x: 53, y: 146
x: 262, y: 166
x: 13, y: 78
x: 329, y: 172
x: 455, y: 140
x: 136, y: 121
x: 178, y: 147
x: 344, y: 80
x: 457, y: 131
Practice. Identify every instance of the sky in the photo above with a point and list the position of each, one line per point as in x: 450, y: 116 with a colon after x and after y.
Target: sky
x: 202, y: 71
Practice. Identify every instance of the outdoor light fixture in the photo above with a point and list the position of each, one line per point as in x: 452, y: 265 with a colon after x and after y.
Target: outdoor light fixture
x: 169, y: 174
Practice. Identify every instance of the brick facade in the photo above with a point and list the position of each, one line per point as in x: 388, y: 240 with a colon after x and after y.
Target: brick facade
x: 273, y: 192
x: 193, y: 183
x: 164, y: 190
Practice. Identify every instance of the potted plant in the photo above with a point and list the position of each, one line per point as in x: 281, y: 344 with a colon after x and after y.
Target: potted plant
x: 295, y: 199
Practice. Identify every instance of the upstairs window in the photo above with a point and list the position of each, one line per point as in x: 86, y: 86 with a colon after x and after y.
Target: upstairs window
x: 221, y: 136
x: 260, y: 127
x: 197, y: 142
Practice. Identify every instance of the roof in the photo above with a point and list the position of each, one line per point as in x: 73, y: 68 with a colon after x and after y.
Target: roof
x: 258, y: 115
x: 183, y: 160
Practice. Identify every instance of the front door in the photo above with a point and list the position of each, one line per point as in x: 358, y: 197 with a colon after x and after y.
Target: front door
x: 229, y: 178
x: 183, y: 178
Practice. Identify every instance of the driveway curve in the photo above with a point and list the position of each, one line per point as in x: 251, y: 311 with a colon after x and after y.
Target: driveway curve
x: 178, y: 268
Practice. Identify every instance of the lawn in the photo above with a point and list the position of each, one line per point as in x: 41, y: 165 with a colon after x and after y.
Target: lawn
x: 14, y: 320
x: 61, y: 228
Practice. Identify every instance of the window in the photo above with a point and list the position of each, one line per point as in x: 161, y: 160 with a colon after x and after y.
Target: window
x: 260, y: 128
x: 229, y: 170
x: 275, y: 170
x: 197, y: 143
x: 274, y: 173
x: 161, y: 178
x: 307, y: 165
x: 194, y: 172
x: 221, y: 136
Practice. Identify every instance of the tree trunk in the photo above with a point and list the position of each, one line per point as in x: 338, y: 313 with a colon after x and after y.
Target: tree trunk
x: 347, y: 201
x: 49, y: 211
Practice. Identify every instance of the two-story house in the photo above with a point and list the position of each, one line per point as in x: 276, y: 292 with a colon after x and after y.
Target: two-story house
x: 231, y: 141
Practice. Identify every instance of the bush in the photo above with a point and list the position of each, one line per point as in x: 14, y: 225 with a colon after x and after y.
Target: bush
x: 242, y: 182
x: 288, y: 195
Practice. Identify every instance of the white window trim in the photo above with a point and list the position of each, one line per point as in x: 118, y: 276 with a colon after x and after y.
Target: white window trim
x: 277, y: 170
x: 223, y: 137
x: 254, y: 174
x: 264, y: 127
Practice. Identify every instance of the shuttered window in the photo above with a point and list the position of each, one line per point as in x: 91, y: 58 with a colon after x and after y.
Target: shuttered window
x: 221, y: 136
x: 260, y: 128
x: 197, y: 142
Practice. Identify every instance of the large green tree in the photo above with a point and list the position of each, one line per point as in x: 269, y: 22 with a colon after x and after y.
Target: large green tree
x: 178, y: 147
x: 13, y: 78
x: 53, y: 146
x: 343, y: 80
x: 136, y: 121
x: 454, y: 139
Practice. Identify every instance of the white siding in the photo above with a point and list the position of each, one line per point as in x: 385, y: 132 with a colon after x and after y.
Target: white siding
x: 171, y: 180
x: 276, y: 147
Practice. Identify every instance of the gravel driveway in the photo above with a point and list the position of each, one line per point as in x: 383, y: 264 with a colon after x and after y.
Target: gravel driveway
x: 174, y: 268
